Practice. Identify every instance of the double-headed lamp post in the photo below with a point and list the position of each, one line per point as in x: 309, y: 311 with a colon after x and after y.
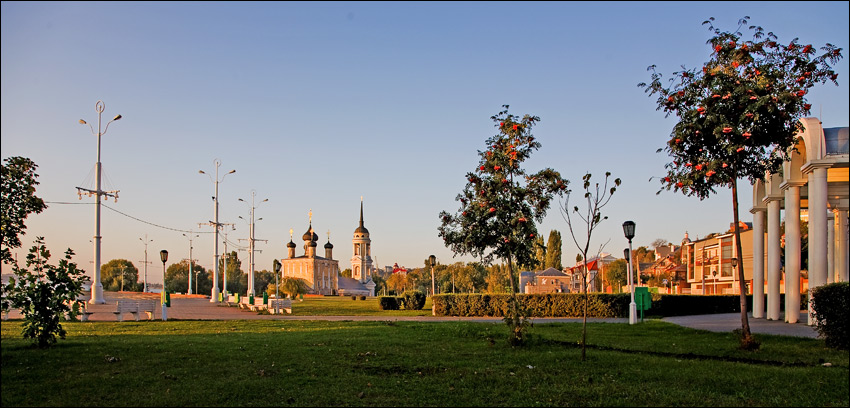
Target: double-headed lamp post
x: 629, y: 231
x: 191, y: 237
x: 276, y: 267
x: 216, y: 225
x: 163, y: 296
x: 251, y: 239
x: 97, y: 285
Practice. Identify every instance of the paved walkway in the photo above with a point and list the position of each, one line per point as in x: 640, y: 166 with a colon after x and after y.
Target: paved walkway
x: 198, y: 307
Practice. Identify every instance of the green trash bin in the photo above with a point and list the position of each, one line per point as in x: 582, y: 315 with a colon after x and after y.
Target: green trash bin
x: 238, y: 298
x: 251, y: 299
x: 265, y: 298
x: 643, y: 300
x: 167, y: 299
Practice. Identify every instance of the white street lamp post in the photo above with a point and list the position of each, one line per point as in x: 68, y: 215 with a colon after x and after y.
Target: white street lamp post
x: 216, y: 225
x: 433, y: 261
x: 97, y: 285
x: 191, y: 237
x: 251, y: 240
x: 145, y: 241
x: 629, y: 231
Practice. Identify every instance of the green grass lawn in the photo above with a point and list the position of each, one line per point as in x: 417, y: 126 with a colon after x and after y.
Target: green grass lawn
x: 321, y: 363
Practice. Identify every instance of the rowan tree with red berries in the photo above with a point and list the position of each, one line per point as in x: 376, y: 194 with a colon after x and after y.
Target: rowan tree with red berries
x: 501, y: 203
x: 739, y: 115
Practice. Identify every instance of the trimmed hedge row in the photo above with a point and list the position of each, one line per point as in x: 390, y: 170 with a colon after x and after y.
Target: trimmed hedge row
x: 410, y: 300
x: 388, y: 303
x: 599, y: 304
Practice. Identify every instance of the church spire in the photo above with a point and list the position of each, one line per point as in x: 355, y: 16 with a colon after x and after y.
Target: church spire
x: 361, y: 211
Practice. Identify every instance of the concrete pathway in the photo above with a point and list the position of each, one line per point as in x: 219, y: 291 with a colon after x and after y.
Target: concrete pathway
x: 199, y: 307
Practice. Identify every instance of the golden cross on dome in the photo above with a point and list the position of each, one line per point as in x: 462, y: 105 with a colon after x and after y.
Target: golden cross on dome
x: 290, y: 234
x: 311, y: 215
x: 329, y: 235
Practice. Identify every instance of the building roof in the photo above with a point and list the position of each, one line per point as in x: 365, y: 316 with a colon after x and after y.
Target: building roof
x: 551, y: 272
x: 344, y: 283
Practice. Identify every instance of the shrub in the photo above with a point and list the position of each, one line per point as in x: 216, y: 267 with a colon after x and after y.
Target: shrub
x: 388, y: 303
x: 353, y: 297
x: 362, y: 297
x: 45, y: 294
x: 414, y: 300
x: 830, y: 304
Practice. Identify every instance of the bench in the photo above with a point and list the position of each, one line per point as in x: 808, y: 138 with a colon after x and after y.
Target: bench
x: 258, y: 305
x: 135, y: 307
x: 80, y: 304
x: 280, y: 304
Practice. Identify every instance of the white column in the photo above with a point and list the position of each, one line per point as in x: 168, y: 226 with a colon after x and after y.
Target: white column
x: 817, y: 229
x: 842, y: 263
x: 792, y: 253
x: 830, y: 247
x: 758, y: 264
x: 773, y: 259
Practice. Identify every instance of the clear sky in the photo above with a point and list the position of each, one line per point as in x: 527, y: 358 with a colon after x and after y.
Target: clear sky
x: 317, y: 104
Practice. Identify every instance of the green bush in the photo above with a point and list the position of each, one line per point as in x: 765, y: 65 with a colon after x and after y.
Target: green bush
x: 414, y: 300
x: 831, y: 307
x: 362, y: 297
x: 388, y: 303
x: 353, y: 297
x: 45, y: 294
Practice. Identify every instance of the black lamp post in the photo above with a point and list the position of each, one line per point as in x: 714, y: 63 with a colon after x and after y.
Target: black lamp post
x: 734, y: 262
x: 276, y: 267
x: 626, y: 257
x: 629, y: 232
x: 164, y: 295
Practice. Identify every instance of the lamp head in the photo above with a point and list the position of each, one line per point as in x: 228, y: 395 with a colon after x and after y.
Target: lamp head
x: 201, y: 171
x: 163, y: 255
x: 629, y: 229
x: 82, y: 122
x: 626, y: 254
x: 433, y: 260
x: 734, y: 263
x: 117, y: 117
x: 276, y: 266
x: 231, y: 172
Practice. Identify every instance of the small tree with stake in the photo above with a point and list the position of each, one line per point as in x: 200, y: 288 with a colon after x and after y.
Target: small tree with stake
x: 501, y: 203
x: 596, y: 198
x: 738, y: 116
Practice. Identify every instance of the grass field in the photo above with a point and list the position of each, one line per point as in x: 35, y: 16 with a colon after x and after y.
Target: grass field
x: 322, y: 363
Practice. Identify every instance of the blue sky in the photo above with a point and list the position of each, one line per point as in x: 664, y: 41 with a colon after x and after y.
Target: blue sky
x: 317, y: 104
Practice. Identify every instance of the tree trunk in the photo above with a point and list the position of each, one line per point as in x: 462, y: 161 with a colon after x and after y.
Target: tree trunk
x: 745, y: 323
x: 511, y: 276
x: 584, y: 323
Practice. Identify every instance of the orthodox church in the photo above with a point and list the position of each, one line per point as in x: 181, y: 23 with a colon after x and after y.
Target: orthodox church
x: 322, y: 274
